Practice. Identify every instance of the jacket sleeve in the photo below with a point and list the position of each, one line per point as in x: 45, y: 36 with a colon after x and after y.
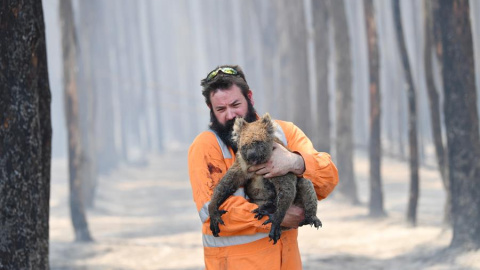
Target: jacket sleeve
x: 319, y: 167
x: 207, y: 166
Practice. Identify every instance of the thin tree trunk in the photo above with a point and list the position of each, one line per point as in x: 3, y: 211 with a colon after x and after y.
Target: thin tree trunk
x: 435, y: 112
x: 76, y: 156
x: 461, y: 121
x: 412, y: 118
x: 376, y: 208
x: 321, y: 140
x: 25, y: 137
x: 344, y: 107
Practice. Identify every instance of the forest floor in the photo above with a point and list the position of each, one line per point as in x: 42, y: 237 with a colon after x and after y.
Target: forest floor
x: 145, y: 218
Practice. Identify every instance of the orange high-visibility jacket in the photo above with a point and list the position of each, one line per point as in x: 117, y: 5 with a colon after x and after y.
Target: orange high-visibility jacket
x: 243, y: 241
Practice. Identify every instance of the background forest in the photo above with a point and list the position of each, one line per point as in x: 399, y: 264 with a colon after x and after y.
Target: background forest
x: 388, y: 87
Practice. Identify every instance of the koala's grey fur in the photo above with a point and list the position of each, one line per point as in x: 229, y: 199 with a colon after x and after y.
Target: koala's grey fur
x: 273, y: 195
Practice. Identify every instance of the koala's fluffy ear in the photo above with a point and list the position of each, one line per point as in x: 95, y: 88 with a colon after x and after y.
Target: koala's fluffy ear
x: 267, y: 120
x: 237, y: 128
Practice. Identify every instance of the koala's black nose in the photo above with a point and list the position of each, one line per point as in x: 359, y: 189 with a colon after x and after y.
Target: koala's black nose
x: 251, y: 155
x: 254, y: 153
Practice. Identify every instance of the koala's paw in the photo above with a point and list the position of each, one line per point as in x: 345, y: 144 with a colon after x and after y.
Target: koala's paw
x: 275, y: 233
x: 260, y: 213
x: 216, y: 219
x: 313, y: 221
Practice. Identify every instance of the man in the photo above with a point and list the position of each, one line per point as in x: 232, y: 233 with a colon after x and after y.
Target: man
x: 244, y: 241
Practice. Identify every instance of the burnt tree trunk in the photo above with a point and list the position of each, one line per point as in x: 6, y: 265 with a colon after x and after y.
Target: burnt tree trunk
x: 321, y: 140
x: 344, y: 103
x: 434, y: 103
x: 76, y: 155
x: 412, y: 118
x: 461, y: 121
x: 376, y: 208
x: 294, y: 65
x: 25, y: 137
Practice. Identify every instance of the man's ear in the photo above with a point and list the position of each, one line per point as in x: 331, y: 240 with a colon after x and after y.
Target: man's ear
x: 250, y: 97
x: 237, y: 128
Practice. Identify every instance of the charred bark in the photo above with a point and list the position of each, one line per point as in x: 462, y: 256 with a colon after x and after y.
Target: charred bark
x: 376, y: 208
x: 461, y: 121
x: 412, y: 118
x: 321, y: 140
x: 344, y: 103
x: 434, y: 103
x: 25, y: 137
x: 76, y: 155
x: 294, y: 65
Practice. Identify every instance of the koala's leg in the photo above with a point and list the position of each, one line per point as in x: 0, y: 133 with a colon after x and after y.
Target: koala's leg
x: 267, y: 204
x: 307, y: 199
x: 285, y: 187
x: 233, y: 179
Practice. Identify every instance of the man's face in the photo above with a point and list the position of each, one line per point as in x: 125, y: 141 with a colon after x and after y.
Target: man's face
x: 227, y: 104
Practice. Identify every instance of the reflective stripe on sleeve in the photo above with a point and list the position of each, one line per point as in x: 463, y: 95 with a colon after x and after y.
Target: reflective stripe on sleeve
x: 203, y: 213
x: 280, y: 134
x: 225, y: 241
x: 226, y: 153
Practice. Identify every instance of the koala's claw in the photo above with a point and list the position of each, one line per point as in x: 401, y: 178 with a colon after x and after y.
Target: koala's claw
x: 215, y: 220
x: 260, y: 213
x: 275, y: 233
x: 267, y: 221
x: 313, y: 221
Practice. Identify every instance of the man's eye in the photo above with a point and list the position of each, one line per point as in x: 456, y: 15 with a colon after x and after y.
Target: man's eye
x: 236, y: 105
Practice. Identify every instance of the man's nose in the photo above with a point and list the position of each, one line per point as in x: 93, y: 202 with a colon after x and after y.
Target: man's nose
x: 231, y: 114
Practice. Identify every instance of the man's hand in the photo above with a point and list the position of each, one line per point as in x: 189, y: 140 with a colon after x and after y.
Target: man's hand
x: 293, y: 217
x: 280, y: 163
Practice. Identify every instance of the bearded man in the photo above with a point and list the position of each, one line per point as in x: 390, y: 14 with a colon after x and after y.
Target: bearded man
x: 244, y: 241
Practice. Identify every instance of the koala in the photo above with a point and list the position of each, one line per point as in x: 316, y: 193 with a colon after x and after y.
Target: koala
x: 274, y: 195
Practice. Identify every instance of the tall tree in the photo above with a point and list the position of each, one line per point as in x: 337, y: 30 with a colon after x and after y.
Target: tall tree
x: 461, y: 121
x: 25, y: 137
x: 321, y: 138
x: 294, y: 66
x: 344, y: 106
x: 412, y: 118
x: 76, y: 155
x: 434, y: 101
x: 376, y: 208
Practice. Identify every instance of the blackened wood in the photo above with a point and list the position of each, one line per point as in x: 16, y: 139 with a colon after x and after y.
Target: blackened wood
x: 320, y: 17
x: 461, y: 121
x: 412, y: 118
x: 76, y: 155
x: 25, y: 137
x: 376, y: 208
x: 344, y: 103
x: 434, y: 103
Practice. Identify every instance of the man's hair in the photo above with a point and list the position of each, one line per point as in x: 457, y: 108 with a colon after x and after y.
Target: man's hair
x: 224, y: 81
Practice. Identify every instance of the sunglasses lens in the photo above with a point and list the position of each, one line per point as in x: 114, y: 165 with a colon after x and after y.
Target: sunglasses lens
x: 212, y: 75
x: 230, y: 71
x: 225, y: 70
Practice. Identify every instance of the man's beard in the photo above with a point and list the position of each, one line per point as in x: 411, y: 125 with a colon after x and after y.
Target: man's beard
x: 225, y: 131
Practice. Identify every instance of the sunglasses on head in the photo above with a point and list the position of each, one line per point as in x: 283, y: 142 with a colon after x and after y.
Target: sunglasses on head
x: 224, y: 70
